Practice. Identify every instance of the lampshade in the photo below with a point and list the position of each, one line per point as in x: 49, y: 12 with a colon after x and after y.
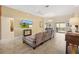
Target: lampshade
x: 74, y: 20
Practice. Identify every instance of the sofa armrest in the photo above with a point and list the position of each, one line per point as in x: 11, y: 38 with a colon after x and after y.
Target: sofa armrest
x: 30, y: 41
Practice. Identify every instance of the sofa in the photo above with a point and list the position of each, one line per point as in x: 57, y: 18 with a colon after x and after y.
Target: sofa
x: 37, y: 39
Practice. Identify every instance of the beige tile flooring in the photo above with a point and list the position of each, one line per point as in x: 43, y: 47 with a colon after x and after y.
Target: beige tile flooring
x: 15, y: 46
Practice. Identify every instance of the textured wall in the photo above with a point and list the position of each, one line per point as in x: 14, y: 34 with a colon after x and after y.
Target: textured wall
x: 18, y: 16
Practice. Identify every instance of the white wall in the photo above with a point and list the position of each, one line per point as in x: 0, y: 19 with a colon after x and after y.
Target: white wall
x: 6, y: 34
x: 64, y: 19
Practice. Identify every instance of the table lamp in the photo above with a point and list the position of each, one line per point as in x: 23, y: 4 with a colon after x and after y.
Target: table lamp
x: 74, y: 21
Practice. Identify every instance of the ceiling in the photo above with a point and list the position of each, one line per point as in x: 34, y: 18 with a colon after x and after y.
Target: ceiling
x: 46, y: 10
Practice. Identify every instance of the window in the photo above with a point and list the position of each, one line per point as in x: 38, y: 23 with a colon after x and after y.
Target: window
x: 57, y: 25
x: 60, y: 27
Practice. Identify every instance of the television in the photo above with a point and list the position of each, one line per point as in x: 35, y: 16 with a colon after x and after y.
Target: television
x: 26, y: 23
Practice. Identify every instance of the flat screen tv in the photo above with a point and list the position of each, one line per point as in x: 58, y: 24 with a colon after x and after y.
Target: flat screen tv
x: 26, y: 23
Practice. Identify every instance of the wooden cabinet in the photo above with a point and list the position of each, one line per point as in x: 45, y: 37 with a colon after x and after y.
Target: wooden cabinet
x: 72, y: 40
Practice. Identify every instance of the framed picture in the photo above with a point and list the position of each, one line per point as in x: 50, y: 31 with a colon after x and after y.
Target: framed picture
x: 26, y: 23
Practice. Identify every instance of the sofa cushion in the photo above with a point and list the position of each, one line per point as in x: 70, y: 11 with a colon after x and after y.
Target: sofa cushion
x: 39, y: 38
x: 35, y: 40
x: 30, y: 38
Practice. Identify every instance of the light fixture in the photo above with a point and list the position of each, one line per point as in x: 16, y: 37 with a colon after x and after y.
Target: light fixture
x: 74, y: 21
x: 11, y: 25
x: 41, y: 12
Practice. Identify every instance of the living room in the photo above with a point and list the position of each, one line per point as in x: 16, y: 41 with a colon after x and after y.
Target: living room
x: 44, y: 21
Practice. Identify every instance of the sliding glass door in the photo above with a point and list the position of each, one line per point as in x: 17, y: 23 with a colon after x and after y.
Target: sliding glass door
x: 60, y: 27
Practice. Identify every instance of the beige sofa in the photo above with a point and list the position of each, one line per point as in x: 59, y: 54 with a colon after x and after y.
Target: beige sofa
x: 37, y: 39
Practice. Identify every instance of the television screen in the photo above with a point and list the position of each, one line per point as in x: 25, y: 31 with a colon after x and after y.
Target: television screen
x: 26, y: 23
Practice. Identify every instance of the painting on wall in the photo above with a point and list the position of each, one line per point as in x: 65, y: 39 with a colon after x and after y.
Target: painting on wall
x: 26, y: 23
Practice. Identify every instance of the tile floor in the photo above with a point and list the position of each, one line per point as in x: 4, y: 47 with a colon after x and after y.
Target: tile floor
x: 15, y: 46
